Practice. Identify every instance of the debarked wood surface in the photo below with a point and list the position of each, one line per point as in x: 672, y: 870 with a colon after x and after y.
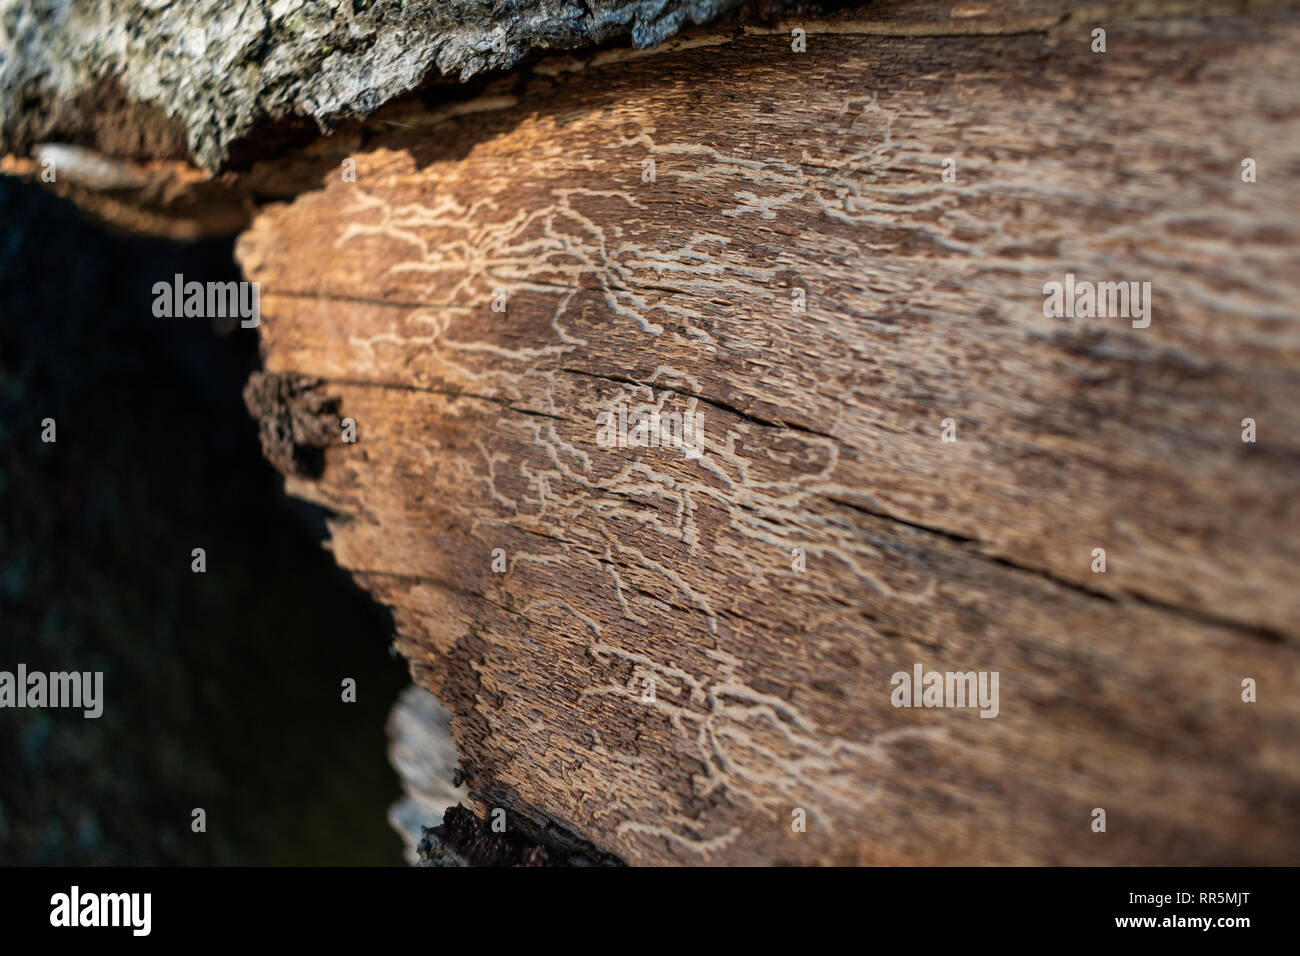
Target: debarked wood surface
x: 822, y: 171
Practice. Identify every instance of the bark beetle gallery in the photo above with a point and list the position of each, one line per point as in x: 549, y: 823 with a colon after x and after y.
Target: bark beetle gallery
x: 863, y: 437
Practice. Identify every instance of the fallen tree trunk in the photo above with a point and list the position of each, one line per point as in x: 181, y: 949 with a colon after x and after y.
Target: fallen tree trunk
x: 675, y: 657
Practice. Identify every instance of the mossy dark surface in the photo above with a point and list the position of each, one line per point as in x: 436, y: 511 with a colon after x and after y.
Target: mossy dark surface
x: 221, y: 690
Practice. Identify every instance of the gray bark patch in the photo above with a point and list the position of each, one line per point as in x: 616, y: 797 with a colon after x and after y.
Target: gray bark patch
x: 215, y: 69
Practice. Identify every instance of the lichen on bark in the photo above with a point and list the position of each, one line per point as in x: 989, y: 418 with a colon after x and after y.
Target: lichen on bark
x: 211, y: 71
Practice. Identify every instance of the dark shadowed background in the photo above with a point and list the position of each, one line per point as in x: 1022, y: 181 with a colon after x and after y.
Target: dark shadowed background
x: 222, y: 690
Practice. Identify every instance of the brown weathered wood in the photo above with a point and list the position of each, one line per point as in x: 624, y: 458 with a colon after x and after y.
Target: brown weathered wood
x: 822, y: 171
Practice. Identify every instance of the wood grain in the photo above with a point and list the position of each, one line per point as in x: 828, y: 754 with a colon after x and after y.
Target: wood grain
x: 821, y: 171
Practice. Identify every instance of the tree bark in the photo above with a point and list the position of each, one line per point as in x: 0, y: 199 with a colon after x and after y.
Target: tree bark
x: 684, y: 651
